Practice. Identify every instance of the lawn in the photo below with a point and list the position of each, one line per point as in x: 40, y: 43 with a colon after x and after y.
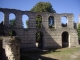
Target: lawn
x: 53, y: 54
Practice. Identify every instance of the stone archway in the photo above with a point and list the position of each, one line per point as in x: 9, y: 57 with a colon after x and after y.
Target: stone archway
x: 12, y: 33
x: 39, y: 40
x: 65, y: 39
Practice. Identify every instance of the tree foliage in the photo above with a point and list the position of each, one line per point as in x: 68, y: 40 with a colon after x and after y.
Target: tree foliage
x: 27, y: 23
x: 39, y: 37
x: 12, y: 22
x: 78, y: 30
x: 38, y: 22
x: 43, y: 7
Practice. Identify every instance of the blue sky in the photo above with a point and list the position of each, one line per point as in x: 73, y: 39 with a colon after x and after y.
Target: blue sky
x: 61, y: 6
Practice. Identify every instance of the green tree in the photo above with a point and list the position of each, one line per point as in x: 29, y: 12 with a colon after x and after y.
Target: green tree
x: 38, y: 22
x: 43, y: 7
x: 78, y: 30
x: 10, y: 33
x: 12, y: 22
x: 27, y: 23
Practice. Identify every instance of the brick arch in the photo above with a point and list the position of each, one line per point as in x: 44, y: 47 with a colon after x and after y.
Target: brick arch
x: 65, y: 39
x: 64, y: 21
x: 37, y: 14
x: 2, y: 15
x: 12, y: 16
x: 38, y: 21
x: 3, y: 10
x: 51, y: 21
x: 40, y: 41
x: 12, y: 33
x: 25, y: 18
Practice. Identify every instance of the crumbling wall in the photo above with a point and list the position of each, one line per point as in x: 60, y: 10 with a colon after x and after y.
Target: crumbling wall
x: 51, y: 38
x: 12, y: 47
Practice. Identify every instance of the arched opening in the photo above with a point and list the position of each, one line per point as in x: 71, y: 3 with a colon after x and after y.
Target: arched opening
x: 1, y: 17
x: 38, y: 21
x: 64, y: 21
x: 39, y: 40
x: 1, y: 23
x: 65, y: 39
x: 51, y: 22
x: 12, y: 19
x: 12, y: 33
x: 25, y: 20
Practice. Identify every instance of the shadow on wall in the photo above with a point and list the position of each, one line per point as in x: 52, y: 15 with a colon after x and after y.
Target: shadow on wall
x: 48, y: 40
x: 2, y: 29
x: 2, y: 52
x: 47, y: 43
x: 4, y: 57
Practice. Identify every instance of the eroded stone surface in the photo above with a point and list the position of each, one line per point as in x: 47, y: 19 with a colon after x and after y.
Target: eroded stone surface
x: 12, y: 47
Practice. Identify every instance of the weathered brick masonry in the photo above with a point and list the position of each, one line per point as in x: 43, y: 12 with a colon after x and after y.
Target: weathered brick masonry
x: 52, y: 38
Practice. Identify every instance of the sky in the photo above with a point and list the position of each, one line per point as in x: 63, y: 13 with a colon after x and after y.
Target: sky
x: 60, y: 6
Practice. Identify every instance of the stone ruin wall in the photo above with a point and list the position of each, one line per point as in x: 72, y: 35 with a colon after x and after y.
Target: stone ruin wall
x: 10, y: 48
x: 51, y: 39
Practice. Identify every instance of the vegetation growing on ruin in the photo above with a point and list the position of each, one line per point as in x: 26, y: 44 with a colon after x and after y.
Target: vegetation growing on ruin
x: 12, y: 22
x: 78, y: 30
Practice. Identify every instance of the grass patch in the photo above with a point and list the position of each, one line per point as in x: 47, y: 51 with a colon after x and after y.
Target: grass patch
x: 65, y: 51
x: 58, y: 54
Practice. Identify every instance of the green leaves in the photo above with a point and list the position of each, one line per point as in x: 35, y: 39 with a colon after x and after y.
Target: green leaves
x: 78, y: 30
x: 38, y: 22
x: 43, y: 7
x: 10, y: 33
x: 12, y: 22
x: 38, y: 37
x: 27, y: 23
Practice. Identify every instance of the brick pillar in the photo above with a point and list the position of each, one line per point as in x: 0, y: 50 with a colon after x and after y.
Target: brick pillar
x: 6, y: 19
x: 57, y: 21
x: 19, y: 20
x: 12, y: 47
x: 70, y: 21
x: 45, y: 22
